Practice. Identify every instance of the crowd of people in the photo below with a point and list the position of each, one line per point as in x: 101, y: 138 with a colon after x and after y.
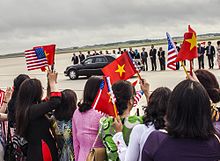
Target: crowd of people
x: 178, y: 125
x: 210, y: 51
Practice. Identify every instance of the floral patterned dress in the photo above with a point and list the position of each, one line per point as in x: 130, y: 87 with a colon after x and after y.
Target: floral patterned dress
x: 63, y: 130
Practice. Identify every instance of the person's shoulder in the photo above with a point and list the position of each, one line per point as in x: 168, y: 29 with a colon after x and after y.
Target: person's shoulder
x: 158, y: 135
x: 76, y: 113
x: 156, y: 138
x: 154, y: 141
x: 141, y: 128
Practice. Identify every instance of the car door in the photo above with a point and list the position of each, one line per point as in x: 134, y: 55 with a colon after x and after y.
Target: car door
x: 100, y: 62
x: 87, y: 66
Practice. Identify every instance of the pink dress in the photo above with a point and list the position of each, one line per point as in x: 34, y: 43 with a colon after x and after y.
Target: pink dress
x: 85, y: 127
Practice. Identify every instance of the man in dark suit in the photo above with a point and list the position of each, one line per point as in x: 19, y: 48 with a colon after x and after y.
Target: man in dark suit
x: 153, y: 53
x: 81, y: 56
x: 75, y: 59
x: 131, y: 53
x: 161, y: 56
x: 201, y: 52
x: 210, y: 53
x: 144, y: 56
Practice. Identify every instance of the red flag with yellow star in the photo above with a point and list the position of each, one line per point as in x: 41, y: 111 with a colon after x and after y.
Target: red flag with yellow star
x: 188, y: 49
x: 121, y: 68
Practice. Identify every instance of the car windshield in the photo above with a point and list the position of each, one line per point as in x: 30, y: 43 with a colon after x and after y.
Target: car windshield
x: 88, y: 61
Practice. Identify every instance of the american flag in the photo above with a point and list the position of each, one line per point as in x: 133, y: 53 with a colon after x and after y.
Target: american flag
x: 172, y: 53
x: 110, y: 91
x: 35, y: 59
x: 2, y: 94
x: 95, y: 102
x: 135, y: 63
x: 137, y: 97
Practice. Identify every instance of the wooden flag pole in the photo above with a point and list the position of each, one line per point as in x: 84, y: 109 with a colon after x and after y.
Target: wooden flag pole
x: 184, y: 67
x: 139, y: 76
x: 111, y: 95
x: 115, y: 110
x: 191, y: 67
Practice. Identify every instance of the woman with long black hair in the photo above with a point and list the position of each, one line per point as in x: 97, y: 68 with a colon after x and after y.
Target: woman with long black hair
x: 31, y: 122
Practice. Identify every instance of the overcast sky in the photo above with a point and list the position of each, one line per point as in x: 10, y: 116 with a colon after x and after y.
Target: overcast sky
x: 27, y: 23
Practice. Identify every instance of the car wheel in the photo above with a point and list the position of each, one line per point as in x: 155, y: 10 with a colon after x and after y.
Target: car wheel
x: 72, y: 74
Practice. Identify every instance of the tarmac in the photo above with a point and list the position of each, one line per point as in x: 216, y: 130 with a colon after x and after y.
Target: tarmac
x: 11, y: 67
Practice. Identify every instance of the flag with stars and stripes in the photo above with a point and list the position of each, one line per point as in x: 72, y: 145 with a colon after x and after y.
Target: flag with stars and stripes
x: 135, y: 63
x: 35, y: 59
x: 172, y: 53
x: 137, y: 97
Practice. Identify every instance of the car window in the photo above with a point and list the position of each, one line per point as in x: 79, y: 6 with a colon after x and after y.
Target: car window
x: 110, y: 58
x: 88, y: 61
x: 100, y: 60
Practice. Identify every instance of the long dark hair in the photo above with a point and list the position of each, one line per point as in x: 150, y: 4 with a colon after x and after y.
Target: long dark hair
x: 11, y: 104
x: 156, y: 110
x: 189, y: 112
x: 90, y: 90
x: 123, y: 91
x: 67, y: 107
x: 210, y: 83
x: 30, y: 93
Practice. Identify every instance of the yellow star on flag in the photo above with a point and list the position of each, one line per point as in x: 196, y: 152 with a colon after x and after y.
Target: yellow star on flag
x: 120, y: 70
x: 192, y: 41
x: 46, y: 54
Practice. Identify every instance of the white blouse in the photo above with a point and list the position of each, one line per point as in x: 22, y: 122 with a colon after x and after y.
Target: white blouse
x: 138, y: 136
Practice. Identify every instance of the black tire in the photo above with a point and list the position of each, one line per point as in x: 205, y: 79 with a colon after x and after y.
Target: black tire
x: 73, y: 74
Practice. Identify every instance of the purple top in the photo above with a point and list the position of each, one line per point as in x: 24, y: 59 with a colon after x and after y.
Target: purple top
x: 161, y: 147
x: 217, y: 126
x: 85, y: 127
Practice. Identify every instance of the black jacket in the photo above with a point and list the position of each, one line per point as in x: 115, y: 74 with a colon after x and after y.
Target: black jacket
x: 161, y: 54
x: 212, y: 51
x: 201, y: 51
x: 153, y: 53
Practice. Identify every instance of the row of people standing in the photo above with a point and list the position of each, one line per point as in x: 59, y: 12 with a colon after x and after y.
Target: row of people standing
x: 210, y: 53
x: 143, y: 56
x: 153, y: 54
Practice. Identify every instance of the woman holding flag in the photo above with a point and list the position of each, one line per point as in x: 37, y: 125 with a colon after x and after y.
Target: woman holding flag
x: 31, y: 122
x: 85, y: 121
x: 124, y: 93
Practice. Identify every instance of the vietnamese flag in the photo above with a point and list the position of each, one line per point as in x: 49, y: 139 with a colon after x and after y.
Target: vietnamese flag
x: 102, y: 102
x: 188, y: 49
x: 121, y: 68
x: 49, y: 51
